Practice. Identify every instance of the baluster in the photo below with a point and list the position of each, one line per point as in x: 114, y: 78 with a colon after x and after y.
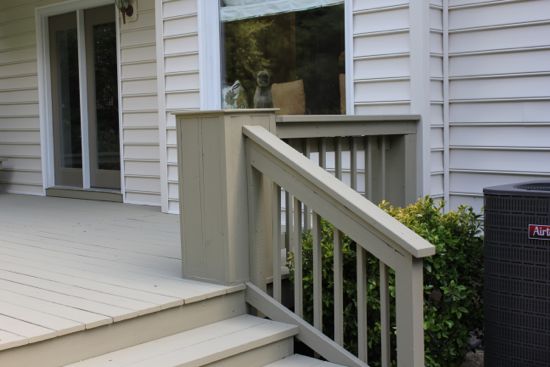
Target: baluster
x: 323, y: 152
x: 307, y: 220
x: 368, y: 169
x: 317, y: 273
x: 288, y: 221
x: 362, y: 304
x: 338, y: 288
x: 383, y: 166
x: 298, y: 285
x: 276, y: 218
x: 385, y: 315
x: 338, y: 157
x: 353, y: 163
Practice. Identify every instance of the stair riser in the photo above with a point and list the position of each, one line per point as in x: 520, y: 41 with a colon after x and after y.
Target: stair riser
x: 90, y: 343
x: 258, y: 357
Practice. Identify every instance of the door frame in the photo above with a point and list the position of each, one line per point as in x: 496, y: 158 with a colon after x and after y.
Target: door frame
x: 44, y: 88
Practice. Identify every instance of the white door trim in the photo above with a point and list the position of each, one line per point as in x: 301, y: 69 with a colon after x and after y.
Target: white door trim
x: 44, y: 85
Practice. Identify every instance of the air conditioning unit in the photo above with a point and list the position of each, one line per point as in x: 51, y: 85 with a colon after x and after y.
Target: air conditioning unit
x: 517, y: 275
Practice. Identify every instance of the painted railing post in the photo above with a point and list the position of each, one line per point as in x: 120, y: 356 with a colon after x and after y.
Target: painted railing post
x: 213, y: 193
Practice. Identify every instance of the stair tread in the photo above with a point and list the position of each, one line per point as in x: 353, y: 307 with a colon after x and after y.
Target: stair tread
x: 298, y: 360
x: 198, y: 346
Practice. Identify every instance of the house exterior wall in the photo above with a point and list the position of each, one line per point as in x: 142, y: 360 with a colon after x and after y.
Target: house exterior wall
x: 20, y: 141
x: 499, y: 95
x: 476, y: 70
x: 19, y: 119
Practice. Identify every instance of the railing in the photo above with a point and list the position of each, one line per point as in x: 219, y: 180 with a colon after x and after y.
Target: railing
x: 394, y: 245
x: 233, y: 171
x: 374, y: 155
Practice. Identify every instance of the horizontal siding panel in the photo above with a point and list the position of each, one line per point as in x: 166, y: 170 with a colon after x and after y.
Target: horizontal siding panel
x: 172, y: 173
x: 21, y: 177
x: 511, y: 111
x: 23, y: 82
x: 183, y: 100
x: 436, y: 18
x: 141, y: 136
x: 137, y: 37
x: 382, y: 68
x: 139, y: 103
x: 141, y: 168
x: 436, y: 67
x: 436, y: 161
x: 500, y: 63
x: 143, y: 198
x: 19, y: 110
x: 174, y: 27
x: 19, y: 96
x: 33, y: 164
x: 436, y: 135
x: 383, y: 109
x: 23, y: 68
x: 529, y: 36
x: 501, y: 160
x: 436, y: 114
x: 359, y: 5
x: 382, y: 91
x: 18, y: 41
x: 381, y: 21
x: 19, y: 55
x: 505, y: 13
x: 436, y: 42
x: 173, y: 191
x: 181, y: 44
x: 182, y: 82
x: 17, y: 27
x: 19, y: 136
x: 178, y: 8
x: 138, y: 54
x: 19, y: 123
x: 20, y: 150
x: 474, y: 182
x: 183, y: 63
x: 143, y: 70
x: 436, y: 185
x: 141, y: 152
x: 436, y: 90
x: 500, y: 136
x: 475, y: 202
x: 517, y: 87
x: 148, y: 86
x: 143, y: 184
x: 140, y: 119
x: 381, y: 44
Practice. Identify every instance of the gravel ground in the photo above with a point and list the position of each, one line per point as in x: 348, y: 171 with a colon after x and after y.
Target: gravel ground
x: 473, y: 359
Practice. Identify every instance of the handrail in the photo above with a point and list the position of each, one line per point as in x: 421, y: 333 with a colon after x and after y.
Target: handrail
x: 375, y: 232
x: 316, y: 126
x: 331, y: 191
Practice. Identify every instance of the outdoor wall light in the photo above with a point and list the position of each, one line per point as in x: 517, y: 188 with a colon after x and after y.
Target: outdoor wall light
x: 126, y: 9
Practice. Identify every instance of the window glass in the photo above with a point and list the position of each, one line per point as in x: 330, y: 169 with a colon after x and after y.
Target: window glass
x: 286, y: 54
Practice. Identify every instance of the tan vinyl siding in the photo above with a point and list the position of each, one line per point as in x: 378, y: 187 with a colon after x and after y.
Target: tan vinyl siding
x: 180, y: 48
x: 437, y: 164
x: 140, y: 107
x: 19, y: 120
x: 499, y: 74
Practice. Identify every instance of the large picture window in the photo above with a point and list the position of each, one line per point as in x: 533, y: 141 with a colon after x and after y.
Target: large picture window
x: 287, y: 54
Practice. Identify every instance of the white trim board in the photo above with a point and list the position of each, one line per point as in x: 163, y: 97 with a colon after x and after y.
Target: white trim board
x: 209, y: 55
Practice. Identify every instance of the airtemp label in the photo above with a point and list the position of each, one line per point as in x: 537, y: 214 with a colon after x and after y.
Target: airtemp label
x: 539, y: 232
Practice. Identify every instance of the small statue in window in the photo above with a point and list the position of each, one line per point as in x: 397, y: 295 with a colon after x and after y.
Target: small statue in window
x: 234, y: 96
x: 262, y: 96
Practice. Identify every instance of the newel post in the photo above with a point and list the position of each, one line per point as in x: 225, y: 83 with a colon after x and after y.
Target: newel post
x: 213, y: 192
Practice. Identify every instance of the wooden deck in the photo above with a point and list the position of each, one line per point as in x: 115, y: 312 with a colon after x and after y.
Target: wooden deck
x: 69, y: 265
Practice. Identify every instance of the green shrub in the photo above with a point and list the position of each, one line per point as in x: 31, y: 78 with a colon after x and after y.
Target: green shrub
x: 452, y: 282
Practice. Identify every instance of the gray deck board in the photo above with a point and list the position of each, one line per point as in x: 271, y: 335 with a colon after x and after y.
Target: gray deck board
x: 67, y: 265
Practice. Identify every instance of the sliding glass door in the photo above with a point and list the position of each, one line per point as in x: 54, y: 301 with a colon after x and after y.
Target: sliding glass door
x: 85, y: 99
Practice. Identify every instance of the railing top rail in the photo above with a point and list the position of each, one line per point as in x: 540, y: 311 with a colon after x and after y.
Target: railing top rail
x: 383, y: 224
x: 317, y: 126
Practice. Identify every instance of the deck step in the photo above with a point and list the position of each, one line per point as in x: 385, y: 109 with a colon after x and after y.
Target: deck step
x: 298, y: 360
x: 228, y: 342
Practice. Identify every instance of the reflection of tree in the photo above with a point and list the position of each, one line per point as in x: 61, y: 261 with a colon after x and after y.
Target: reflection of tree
x: 303, y: 45
x: 244, y: 56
